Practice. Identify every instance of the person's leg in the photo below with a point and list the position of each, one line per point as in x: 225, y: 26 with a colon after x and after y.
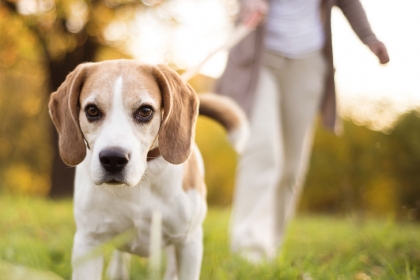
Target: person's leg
x: 302, y: 82
x: 252, y: 220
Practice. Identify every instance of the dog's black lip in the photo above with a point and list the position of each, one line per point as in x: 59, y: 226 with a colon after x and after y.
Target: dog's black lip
x: 114, y: 182
x: 113, y: 179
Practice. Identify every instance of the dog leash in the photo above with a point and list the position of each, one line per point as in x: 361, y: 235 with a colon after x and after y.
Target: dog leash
x: 240, y: 32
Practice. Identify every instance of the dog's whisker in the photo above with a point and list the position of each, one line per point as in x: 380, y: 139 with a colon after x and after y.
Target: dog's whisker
x: 143, y: 179
x: 111, y: 190
x: 147, y: 172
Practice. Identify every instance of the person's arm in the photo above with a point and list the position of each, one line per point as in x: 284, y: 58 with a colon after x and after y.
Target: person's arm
x: 251, y: 9
x: 379, y: 49
x: 356, y: 15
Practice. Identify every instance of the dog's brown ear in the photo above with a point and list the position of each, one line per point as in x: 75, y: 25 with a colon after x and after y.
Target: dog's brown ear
x: 64, y: 111
x: 180, y: 106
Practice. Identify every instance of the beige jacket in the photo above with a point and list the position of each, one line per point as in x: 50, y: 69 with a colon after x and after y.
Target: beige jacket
x: 240, y: 78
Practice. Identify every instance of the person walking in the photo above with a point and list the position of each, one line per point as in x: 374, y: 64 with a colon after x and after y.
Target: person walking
x: 282, y: 74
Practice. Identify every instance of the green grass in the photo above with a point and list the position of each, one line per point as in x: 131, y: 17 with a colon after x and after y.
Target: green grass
x: 36, y: 237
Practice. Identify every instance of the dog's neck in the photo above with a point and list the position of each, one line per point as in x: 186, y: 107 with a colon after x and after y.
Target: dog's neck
x: 153, y: 153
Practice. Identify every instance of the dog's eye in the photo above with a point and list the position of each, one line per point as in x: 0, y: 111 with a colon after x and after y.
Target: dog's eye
x: 93, y: 113
x: 143, y: 114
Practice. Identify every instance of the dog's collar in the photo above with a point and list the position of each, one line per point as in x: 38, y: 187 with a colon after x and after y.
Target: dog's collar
x: 153, y: 153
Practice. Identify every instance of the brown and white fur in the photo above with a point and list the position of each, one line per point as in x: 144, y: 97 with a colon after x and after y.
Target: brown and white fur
x: 129, y: 129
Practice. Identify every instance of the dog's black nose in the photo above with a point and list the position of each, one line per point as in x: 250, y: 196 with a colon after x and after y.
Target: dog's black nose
x: 114, y: 159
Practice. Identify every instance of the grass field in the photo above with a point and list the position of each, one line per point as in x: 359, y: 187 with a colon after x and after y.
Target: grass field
x: 36, y: 238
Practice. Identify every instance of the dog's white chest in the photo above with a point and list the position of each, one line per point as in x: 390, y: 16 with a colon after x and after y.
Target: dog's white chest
x: 180, y: 215
x: 104, y: 213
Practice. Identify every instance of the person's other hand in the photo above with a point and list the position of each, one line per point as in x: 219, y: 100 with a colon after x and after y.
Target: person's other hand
x: 253, y: 11
x: 379, y: 49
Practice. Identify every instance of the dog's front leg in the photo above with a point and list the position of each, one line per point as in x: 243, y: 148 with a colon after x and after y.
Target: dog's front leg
x: 85, y: 266
x: 171, y: 272
x: 119, y: 266
x: 189, y: 255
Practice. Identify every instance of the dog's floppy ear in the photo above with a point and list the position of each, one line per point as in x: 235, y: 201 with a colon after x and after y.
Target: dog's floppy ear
x: 64, y: 111
x: 180, y: 106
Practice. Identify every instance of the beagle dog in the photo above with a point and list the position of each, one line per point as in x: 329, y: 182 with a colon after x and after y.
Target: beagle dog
x: 129, y: 128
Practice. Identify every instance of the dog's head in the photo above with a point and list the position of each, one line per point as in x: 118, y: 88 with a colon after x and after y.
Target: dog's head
x: 120, y: 110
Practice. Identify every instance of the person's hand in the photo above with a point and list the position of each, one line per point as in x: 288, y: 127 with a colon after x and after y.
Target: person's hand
x: 253, y: 12
x: 379, y: 49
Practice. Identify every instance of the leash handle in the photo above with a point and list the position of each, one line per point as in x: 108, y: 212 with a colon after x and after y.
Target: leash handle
x: 240, y: 32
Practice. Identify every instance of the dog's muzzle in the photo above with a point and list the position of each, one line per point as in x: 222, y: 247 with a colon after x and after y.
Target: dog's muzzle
x: 114, y: 159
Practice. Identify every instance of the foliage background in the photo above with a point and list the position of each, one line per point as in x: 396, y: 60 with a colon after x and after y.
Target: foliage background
x: 362, y: 171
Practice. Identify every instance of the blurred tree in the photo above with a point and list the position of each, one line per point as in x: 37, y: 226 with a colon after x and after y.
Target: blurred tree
x: 341, y: 170
x: 366, y: 171
x: 71, y: 32
x: 404, y: 162
x: 24, y: 156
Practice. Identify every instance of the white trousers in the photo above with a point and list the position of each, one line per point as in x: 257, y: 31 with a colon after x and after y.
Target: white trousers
x: 271, y: 171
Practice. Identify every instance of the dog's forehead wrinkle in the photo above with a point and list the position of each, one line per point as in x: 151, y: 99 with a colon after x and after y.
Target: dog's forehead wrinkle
x: 97, y: 89
x: 138, y: 97
x: 139, y: 84
x: 92, y: 98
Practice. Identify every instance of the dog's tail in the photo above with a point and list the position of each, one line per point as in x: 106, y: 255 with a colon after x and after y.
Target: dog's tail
x: 226, y: 112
